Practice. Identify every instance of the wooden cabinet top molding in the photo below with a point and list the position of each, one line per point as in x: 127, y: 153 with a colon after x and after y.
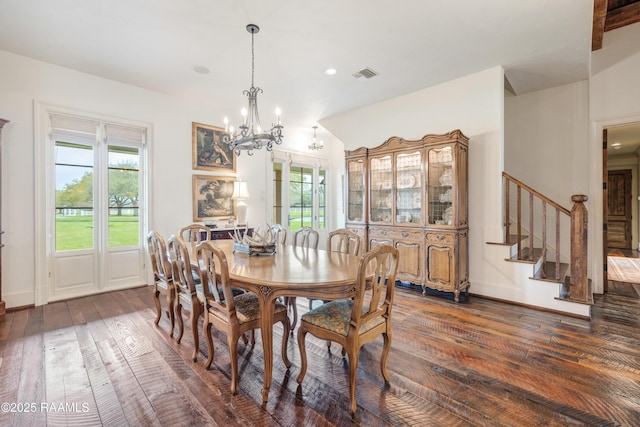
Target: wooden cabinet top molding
x: 398, y: 143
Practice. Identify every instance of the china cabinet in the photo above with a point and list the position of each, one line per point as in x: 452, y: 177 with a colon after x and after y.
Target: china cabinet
x: 415, y: 198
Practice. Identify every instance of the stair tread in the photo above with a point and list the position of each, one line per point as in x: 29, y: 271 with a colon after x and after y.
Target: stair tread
x: 526, y: 256
x: 565, y: 287
x: 511, y: 239
x: 550, y: 268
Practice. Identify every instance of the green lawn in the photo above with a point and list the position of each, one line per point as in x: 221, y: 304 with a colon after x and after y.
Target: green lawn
x: 76, y: 232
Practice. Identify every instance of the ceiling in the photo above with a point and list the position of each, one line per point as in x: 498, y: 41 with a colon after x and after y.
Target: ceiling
x: 410, y: 44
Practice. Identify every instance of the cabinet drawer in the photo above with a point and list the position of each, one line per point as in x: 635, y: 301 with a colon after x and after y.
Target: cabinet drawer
x: 442, y: 238
x: 396, y: 234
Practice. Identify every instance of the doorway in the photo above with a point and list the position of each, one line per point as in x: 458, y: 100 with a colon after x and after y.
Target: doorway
x: 94, y: 215
x: 621, y: 169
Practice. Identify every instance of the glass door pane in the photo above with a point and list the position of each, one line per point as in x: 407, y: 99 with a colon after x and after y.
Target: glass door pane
x: 409, y: 188
x: 355, y: 190
x: 322, y: 187
x: 300, y: 197
x: 381, y: 197
x: 440, y: 181
x: 74, y: 222
x: 124, y: 196
x: 278, y: 214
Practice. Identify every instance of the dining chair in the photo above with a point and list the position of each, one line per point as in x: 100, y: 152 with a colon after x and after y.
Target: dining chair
x: 279, y: 232
x: 354, y: 322
x: 188, y: 292
x: 162, y: 277
x: 305, y: 237
x: 235, y: 314
x: 343, y: 241
x: 193, y: 233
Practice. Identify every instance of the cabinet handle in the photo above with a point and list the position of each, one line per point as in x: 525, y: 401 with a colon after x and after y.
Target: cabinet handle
x: 405, y: 234
x: 383, y: 232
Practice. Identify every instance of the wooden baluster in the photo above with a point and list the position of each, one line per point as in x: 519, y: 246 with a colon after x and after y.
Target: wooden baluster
x: 531, y: 225
x: 544, y: 239
x: 557, y: 244
x: 519, y: 225
x: 506, y: 208
x: 579, y: 222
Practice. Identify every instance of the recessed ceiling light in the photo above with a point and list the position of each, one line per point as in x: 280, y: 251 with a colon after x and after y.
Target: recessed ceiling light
x: 331, y: 71
x: 616, y: 145
x: 201, y: 69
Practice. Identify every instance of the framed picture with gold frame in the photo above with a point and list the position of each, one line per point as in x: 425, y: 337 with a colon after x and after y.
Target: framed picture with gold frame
x: 212, y: 197
x: 208, y: 150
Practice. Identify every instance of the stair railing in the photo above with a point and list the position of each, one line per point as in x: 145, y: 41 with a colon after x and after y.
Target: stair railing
x: 578, y: 217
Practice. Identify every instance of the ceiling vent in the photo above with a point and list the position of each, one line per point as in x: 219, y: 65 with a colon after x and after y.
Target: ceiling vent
x: 367, y: 73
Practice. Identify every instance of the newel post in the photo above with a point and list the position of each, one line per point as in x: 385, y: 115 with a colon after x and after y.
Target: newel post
x: 579, y: 221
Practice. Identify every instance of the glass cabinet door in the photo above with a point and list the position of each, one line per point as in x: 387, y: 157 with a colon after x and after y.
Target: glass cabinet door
x: 440, y: 180
x: 380, y: 189
x: 409, y: 188
x: 355, y: 190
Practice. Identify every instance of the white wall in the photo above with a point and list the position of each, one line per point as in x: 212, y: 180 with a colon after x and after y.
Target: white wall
x: 614, y: 100
x: 473, y: 104
x: 25, y: 80
x: 547, y: 140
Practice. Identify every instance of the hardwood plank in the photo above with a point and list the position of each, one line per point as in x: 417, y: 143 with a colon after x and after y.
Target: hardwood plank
x: 11, y: 351
x: 31, y: 386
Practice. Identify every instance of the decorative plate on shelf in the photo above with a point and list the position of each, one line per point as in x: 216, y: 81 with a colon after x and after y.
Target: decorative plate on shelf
x: 416, y: 200
x: 406, y: 181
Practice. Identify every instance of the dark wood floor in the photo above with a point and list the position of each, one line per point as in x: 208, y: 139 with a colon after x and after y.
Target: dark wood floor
x: 479, y: 362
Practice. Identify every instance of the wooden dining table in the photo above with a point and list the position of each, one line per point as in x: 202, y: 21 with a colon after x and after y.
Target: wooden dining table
x: 292, y: 271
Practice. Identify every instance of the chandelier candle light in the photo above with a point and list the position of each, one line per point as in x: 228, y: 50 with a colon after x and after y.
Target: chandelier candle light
x: 251, y: 136
x: 315, y: 144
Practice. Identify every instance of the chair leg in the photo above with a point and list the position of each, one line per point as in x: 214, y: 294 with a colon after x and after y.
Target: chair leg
x: 385, y: 354
x: 156, y: 300
x: 291, y: 304
x: 178, y: 314
x: 207, y: 335
x: 233, y: 355
x: 194, y: 329
x: 353, y: 372
x: 171, y: 301
x: 303, y: 354
x: 285, y: 341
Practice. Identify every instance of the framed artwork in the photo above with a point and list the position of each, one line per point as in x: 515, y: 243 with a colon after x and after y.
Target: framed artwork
x: 208, y: 150
x: 212, y: 197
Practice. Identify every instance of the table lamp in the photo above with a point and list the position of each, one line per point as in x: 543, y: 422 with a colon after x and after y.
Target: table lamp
x: 241, y: 192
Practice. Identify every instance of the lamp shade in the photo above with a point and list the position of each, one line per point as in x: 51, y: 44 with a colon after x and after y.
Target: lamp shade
x: 240, y: 190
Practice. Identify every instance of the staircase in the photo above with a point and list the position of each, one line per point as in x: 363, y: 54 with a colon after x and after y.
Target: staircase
x: 546, y: 272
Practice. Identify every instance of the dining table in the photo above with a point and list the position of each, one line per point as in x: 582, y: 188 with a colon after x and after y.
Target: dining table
x: 292, y: 271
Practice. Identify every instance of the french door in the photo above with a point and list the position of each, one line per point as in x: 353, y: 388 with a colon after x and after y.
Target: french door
x: 95, y: 206
x: 299, y: 194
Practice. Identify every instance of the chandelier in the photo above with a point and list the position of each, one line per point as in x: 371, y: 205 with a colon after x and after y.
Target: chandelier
x: 315, y: 144
x: 250, y: 135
